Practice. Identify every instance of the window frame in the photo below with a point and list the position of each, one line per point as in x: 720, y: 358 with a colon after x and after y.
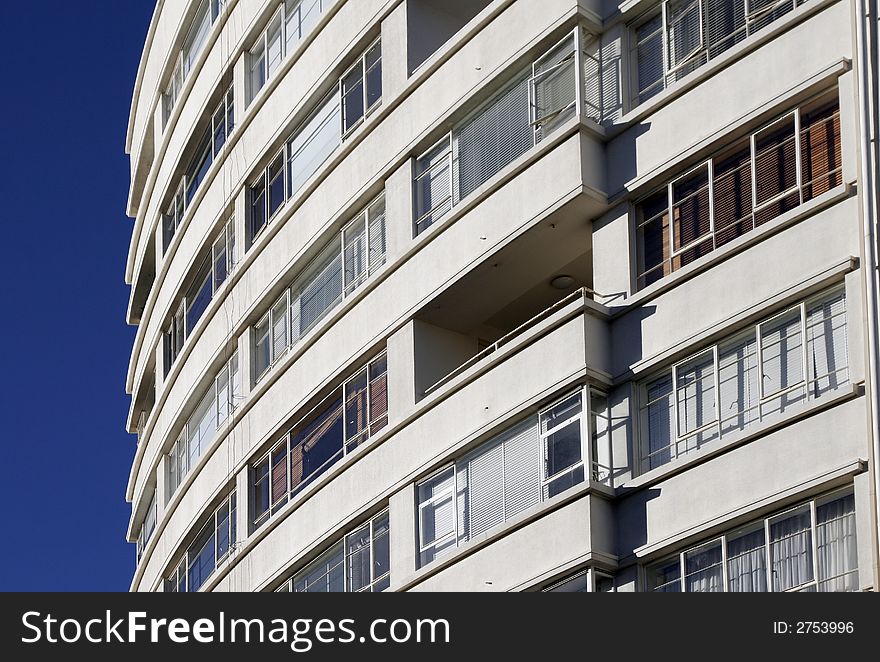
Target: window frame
x: 285, y: 442
x: 759, y: 524
x: 759, y: 407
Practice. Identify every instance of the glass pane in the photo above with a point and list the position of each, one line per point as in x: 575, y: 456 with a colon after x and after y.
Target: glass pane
x: 355, y: 241
x: 826, y: 344
x: 836, y: 545
x: 658, y: 418
x: 704, y: 569
x: 358, y: 552
x: 691, y: 221
x: 783, y: 360
x: 684, y: 31
x: 433, y: 185
x: 791, y: 550
x: 747, y: 561
x: 738, y: 378
x: 373, y: 65
x: 317, y: 446
x: 775, y: 162
x: 356, y: 411
x: 665, y: 577
x: 562, y: 449
x: 353, y: 96
x: 554, y: 88
x: 314, y: 143
x: 695, y: 400
x: 275, y: 174
x: 275, y: 50
x: 261, y: 487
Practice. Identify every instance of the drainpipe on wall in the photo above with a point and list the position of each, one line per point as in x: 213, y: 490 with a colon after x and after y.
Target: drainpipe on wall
x: 866, y: 44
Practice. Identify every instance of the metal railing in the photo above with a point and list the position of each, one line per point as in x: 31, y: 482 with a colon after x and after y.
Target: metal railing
x: 583, y: 293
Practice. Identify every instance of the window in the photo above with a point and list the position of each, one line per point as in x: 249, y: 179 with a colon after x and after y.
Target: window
x: 739, y: 189
x: 211, y: 274
x: 313, y: 143
x: 337, y: 272
x: 293, y: 20
x: 352, y: 413
x: 529, y: 107
x: 306, y: 150
x: 357, y: 563
x: 585, y: 581
x: 530, y: 462
x: 812, y: 548
x: 361, y: 87
x: 211, y: 546
x: 196, y: 38
x: 793, y: 357
x: 220, y: 123
x: 685, y: 34
x: 148, y: 527
x: 214, y: 408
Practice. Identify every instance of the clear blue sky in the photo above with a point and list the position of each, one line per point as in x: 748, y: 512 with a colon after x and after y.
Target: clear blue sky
x: 68, y: 70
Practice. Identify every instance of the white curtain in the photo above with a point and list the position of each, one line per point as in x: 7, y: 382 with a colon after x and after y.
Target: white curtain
x: 837, y: 553
x: 746, y: 562
x: 703, y: 570
x: 791, y: 551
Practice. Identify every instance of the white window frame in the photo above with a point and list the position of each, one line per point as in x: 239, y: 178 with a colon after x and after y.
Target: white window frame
x: 367, y: 109
x: 763, y: 398
x: 543, y: 437
x: 258, y: 519
x: 758, y: 524
x: 799, y: 183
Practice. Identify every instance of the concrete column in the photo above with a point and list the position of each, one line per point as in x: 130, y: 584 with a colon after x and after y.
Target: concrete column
x: 242, y: 505
x: 863, y: 492
x: 401, y: 374
x: 403, y: 539
x: 161, y: 485
x: 239, y: 207
x: 399, y: 211
x: 244, y: 361
x: 160, y: 364
x: 612, y: 268
x: 395, y: 67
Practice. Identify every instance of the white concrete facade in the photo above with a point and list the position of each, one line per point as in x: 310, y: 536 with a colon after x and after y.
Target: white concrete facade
x: 479, y: 333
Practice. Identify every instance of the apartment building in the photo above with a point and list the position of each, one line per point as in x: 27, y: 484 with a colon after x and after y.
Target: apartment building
x: 508, y: 295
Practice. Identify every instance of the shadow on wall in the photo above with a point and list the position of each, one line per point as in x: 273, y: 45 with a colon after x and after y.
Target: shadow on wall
x: 431, y: 23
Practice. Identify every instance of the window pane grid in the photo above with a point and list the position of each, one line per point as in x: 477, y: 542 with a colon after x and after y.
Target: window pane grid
x: 518, y: 468
x: 795, y: 552
x: 341, y: 268
x: 212, y: 544
x: 718, y: 391
x: 683, y: 35
x: 328, y: 432
x: 738, y: 190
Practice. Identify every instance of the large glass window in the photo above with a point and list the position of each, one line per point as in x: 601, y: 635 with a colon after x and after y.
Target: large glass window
x: 532, y: 461
x: 213, y: 409
x: 220, y: 123
x: 682, y: 35
x: 361, y: 87
x: 779, y: 167
x: 337, y: 272
x: 753, y: 376
x: 210, y: 275
x: 529, y: 107
x: 357, y: 563
x: 343, y: 420
x: 196, y: 38
x: 210, y: 547
x: 148, y: 527
x: 288, y: 26
x: 812, y: 548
